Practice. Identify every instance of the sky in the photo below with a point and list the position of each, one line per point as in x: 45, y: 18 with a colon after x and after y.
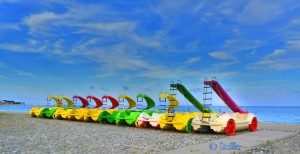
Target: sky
x: 59, y: 47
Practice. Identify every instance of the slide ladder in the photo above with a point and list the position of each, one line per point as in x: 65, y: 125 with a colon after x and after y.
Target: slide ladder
x: 207, y: 101
x: 139, y: 100
x: 121, y: 103
x: 104, y: 103
x: 48, y: 101
x: 171, y: 110
x: 162, y: 103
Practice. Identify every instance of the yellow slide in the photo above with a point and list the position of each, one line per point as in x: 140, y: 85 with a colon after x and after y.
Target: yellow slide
x: 64, y: 112
x: 180, y: 120
x: 131, y: 102
x: 36, y: 112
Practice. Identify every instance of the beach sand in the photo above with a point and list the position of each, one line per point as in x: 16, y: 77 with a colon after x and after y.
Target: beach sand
x: 20, y: 133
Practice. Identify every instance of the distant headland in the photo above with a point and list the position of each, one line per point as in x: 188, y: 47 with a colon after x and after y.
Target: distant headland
x: 9, y: 102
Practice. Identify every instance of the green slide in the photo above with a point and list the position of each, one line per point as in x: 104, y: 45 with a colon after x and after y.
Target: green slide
x: 149, y: 100
x: 190, y: 97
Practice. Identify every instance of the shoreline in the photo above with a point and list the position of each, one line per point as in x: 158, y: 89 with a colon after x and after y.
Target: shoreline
x: 78, y: 136
x: 18, y: 112
x: 258, y: 121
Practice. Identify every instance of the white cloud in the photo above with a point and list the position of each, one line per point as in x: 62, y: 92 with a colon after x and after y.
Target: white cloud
x: 21, y: 48
x: 108, y: 27
x: 163, y: 72
x: 148, y: 42
x: 225, y: 64
x: 194, y: 46
x: 276, y: 61
x: 41, y: 23
x: 193, y: 60
x: 221, y: 55
x: 40, y: 19
x: 91, y: 19
x: 14, y: 26
x: 12, y: 47
x: 259, y: 12
x: 58, y: 43
x: 294, y: 45
x: 275, y: 64
x: 121, y: 60
x: 276, y: 53
x: 226, y: 57
x: 237, y: 45
x: 219, y: 74
x: 27, y: 74
x: 33, y: 42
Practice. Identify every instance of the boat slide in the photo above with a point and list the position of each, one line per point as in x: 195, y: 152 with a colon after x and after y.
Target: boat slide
x: 153, y: 119
x: 227, y: 123
x: 181, y: 88
x: 150, y: 102
x: 49, y: 112
x: 144, y: 119
x: 203, y: 109
x: 86, y: 114
x: 165, y: 119
x: 72, y: 113
x: 126, y: 116
x: 180, y: 120
x: 36, y: 112
x: 62, y: 112
x: 106, y: 115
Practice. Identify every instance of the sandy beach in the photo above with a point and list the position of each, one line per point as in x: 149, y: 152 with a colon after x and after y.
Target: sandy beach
x: 21, y: 133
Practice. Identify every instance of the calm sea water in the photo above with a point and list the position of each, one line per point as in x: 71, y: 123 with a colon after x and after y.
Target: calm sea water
x: 267, y: 114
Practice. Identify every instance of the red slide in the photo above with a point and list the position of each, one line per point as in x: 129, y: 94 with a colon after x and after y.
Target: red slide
x: 97, y: 101
x: 224, y: 96
x: 84, y: 102
x: 113, y: 101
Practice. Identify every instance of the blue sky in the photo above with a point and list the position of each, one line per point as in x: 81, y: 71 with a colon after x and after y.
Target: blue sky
x: 86, y: 47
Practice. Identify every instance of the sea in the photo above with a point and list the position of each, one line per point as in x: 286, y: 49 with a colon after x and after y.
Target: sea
x: 265, y: 114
